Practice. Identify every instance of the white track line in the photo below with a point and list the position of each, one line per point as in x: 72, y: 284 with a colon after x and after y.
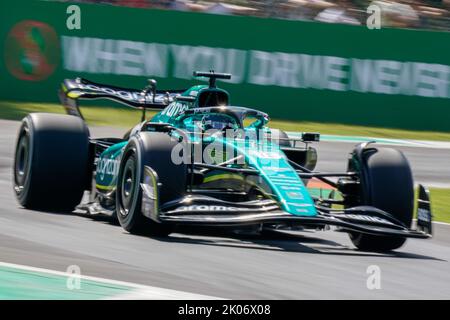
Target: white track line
x: 441, y: 223
x: 137, y: 291
x: 425, y: 144
x: 436, y: 222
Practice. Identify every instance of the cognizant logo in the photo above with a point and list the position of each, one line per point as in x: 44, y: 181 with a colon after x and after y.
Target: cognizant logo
x: 108, y: 167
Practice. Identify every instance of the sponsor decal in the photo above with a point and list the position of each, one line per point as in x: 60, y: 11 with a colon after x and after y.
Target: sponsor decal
x: 278, y: 169
x: 208, y: 208
x: 290, y: 188
x: 363, y: 218
x: 32, y: 51
x: 291, y: 70
x: 107, y: 167
x: 295, y: 195
x: 265, y: 154
x: 297, y: 210
x: 175, y: 108
x: 299, y: 204
x: 423, y: 215
x: 127, y: 95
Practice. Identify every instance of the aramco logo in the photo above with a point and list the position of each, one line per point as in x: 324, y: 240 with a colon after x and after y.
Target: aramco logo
x: 32, y: 50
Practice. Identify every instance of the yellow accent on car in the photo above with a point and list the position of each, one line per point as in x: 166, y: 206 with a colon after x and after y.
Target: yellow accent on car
x: 225, y: 176
x: 156, y: 192
x: 73, y: 95
x: 101, y: 187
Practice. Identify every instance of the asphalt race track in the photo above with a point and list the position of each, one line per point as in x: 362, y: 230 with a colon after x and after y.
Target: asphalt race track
x: 304, y: 266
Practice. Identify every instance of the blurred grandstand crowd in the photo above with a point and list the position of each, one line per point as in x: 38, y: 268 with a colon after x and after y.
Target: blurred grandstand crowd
x: 427, y: 14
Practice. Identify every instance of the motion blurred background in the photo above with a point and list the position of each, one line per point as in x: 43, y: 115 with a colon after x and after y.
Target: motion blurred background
x: 311, y: 64
x: 427, y: 14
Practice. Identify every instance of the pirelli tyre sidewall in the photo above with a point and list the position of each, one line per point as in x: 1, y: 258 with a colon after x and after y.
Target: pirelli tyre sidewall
x: 51, y: 163
x: 386, y: 183
x: 151, y: 149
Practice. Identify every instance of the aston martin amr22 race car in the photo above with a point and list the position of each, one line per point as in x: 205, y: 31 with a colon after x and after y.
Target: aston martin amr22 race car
x: 201, y: 161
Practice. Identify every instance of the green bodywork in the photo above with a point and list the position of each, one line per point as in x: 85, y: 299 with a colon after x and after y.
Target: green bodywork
x: 266, y: 157
x: 283, y: 180
x: 108, y: 167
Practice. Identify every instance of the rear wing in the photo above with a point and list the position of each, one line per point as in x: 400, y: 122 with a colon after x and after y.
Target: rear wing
x: 73, y: 90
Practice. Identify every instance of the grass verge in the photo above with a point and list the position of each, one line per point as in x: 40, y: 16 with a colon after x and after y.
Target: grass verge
x: 440, y: 204
x: 126, y: 117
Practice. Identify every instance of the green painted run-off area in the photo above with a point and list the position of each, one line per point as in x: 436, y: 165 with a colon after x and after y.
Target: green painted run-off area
x: 19, y: 284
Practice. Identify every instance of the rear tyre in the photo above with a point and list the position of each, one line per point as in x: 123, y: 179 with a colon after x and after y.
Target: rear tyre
x: 51, y: 163
x: 387, y: 184
x: 151, y: 149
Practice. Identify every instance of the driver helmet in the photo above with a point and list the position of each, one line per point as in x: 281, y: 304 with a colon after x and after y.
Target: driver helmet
x: 217, y: 122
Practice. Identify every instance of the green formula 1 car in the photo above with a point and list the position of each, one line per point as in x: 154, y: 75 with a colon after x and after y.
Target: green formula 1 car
x: 201, y: 161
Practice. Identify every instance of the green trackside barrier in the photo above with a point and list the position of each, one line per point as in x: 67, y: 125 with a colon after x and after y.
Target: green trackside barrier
x: 292, y: 70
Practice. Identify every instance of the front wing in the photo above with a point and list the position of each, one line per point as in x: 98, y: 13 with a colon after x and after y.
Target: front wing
x: 204, y: 210
x: 361, y: 219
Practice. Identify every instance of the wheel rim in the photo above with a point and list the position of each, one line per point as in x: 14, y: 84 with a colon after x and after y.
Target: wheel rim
x: 22, y: 161
x: 128, y: 186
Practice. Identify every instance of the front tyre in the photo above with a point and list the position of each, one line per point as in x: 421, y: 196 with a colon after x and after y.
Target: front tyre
x: 151, y: 149
x: 387, y: 184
